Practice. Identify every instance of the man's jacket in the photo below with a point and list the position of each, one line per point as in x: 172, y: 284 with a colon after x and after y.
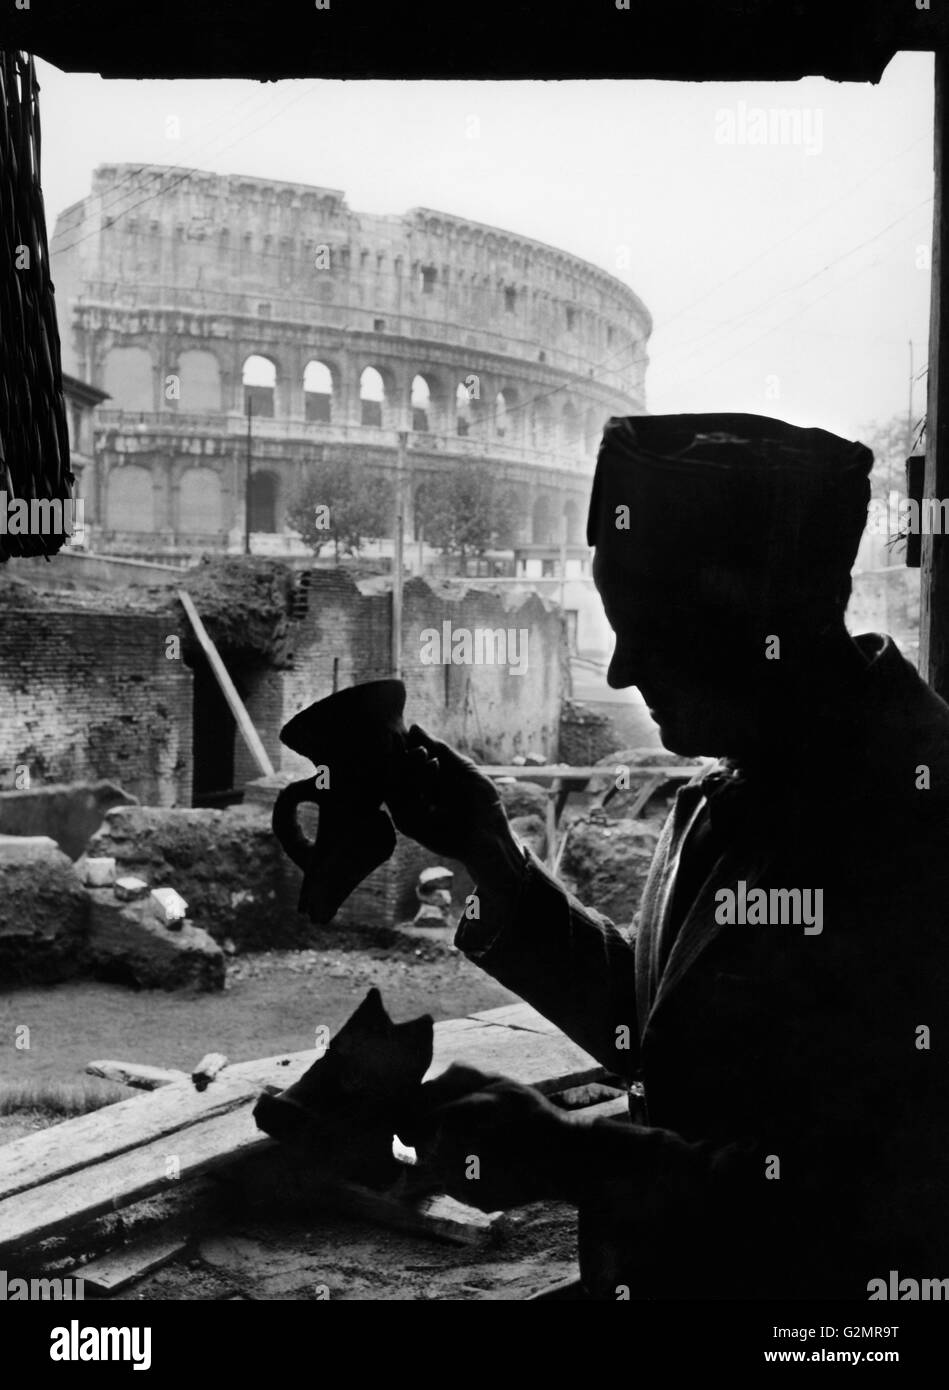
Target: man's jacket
x: 795, y: 1067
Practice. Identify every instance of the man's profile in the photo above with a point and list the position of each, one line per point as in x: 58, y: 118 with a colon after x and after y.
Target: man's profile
x: 795, y: 1080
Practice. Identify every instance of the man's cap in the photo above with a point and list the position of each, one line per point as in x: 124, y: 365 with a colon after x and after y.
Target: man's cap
x: 736, y: 511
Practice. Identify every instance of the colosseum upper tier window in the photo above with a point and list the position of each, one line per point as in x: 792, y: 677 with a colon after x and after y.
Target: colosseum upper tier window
x: 260, y: 384
x: 429, y: 276
x: 421, y: 403
x: 318, y: 392
x: 372, y: 394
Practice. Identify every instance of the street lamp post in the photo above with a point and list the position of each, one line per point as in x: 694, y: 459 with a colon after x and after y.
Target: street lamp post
x: 397, y: 548
x: 247, y: 477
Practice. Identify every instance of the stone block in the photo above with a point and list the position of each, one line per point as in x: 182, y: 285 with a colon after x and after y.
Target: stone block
x: 44, y: 911
x: 227, y: 864
x: 129, y: 945
x: 128, y: 888
x: 168, y: 907
x: 605, y: 863
x: 97, y: 871
x: 69, y: 812
x: 532, y: 832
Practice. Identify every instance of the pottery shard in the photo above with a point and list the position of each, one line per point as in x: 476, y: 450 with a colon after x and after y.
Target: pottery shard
x: 435, y: 877
x: 347, y: 1107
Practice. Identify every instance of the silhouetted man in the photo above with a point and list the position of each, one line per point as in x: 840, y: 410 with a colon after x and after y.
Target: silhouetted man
x: 786, y: 997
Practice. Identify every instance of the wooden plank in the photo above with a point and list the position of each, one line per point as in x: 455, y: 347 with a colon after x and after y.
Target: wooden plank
x: 89, y: 1139
x: 558, y: 770
x: 617, y: 1108
x: 138, y: 1173
x: 582, y: 1097
x: 934, y: 591
x: 514, y: 1039
x: 438, y: 1215
x: 517, y: 1015
x: 138, y: 1074
x: 550, y: 821
x: 281, y: 1180
x: 144, y: 1172
x: 644, y: 793
x: 546, y: 1060
x: 110, y: 1158
x: 244, y: 722
x: 116, y: 1270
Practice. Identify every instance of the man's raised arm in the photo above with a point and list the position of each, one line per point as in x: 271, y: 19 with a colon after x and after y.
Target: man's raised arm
x: 520, y: 925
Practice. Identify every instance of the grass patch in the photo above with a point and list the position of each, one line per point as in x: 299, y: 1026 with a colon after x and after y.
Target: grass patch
x: 64, y: 1099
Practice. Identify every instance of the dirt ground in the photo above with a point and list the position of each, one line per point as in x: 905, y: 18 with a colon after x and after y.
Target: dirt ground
x: 273, y: 1002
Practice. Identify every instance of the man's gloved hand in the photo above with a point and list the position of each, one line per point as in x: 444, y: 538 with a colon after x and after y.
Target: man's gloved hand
x: 451, y: 808
x: 491, y: 1142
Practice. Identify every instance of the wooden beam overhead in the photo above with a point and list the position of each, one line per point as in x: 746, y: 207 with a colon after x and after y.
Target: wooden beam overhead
x: 699, y: 40
x: 934, y: 592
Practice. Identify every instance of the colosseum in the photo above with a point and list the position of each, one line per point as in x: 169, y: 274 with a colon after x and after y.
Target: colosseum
x: 194, y: 299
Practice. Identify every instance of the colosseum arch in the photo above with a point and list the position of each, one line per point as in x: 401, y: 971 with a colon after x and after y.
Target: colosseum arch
x: 259, y: 375
x: 463, y: 411
x: 130, y: 499
x: 572, y: 522
x: 200, y: 374
x: 199, y: 501
x: 516, y: 505
x: 375, y: 393
x: 421, y: 402
x: 543, y: 528
x: 264, y: 487
x: 129, y: 379
x: 507, y: 413
x: 541, y: 423
x: 473, y: 341
x: 318, y: 391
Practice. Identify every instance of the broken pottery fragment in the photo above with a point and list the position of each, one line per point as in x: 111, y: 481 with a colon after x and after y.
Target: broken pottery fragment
x: 355, y: 739
x: 433, y: 891
x: 344, y: 1111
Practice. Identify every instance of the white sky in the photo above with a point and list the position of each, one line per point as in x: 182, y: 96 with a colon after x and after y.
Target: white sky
x: 783, y: 278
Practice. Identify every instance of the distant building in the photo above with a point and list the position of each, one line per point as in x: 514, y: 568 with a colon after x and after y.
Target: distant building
x: 187, y: 295
x: 81, y: 401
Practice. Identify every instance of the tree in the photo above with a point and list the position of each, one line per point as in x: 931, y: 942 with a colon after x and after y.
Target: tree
x: 892, y: 444
x: 343, y: 504
x: 463, y: 513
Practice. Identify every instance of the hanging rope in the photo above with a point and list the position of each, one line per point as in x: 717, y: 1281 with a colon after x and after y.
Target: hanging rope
x: 34, y: 444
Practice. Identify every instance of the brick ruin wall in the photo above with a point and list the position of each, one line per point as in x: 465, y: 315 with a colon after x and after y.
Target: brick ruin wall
x: 92, y: 695
x: 483, y: 709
